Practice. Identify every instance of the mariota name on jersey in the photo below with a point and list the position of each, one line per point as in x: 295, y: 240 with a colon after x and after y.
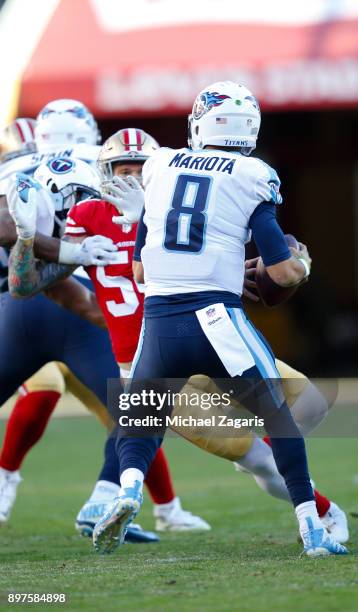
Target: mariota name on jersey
x: 220, y: 164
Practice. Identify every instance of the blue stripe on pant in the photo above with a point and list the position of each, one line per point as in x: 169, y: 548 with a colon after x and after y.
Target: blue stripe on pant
x: 176, y: 347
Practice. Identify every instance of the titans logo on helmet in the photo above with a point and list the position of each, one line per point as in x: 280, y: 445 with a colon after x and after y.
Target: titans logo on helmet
x: 61, y: 165
x: 207, y: 101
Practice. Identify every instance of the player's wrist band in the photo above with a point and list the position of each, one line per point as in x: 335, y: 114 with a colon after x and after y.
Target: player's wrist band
x: 24, y: 234
x: 306, y: 266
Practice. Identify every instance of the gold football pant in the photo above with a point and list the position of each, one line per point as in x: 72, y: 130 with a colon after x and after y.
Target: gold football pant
x: 56, y: 376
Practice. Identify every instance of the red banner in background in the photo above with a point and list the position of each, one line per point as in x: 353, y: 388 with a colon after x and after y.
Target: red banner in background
x: 151, y: 66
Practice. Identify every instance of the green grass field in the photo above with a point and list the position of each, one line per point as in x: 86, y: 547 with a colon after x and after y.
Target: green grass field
x: 250, y: 561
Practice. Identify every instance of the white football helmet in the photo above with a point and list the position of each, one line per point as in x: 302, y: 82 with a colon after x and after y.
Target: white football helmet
x: 17, y: 138
x: 128, y: 145
x: 65, y: 123
x: 225, y: 114
x: 68, y: 181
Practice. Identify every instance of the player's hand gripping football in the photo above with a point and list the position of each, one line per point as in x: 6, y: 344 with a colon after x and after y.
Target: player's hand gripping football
x: 250, y: 280
x: 127, y: 195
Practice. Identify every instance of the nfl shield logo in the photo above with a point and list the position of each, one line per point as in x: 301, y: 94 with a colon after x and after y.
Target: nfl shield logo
x: 126, y: 227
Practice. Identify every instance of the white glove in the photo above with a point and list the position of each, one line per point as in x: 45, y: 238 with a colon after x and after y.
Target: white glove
x: 93, y: 251
x: 23, y: 211
x: 127, y: 196
x: 27, y: 197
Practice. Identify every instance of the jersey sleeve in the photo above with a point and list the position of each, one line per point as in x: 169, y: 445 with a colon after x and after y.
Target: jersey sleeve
x: 78, y: 221
x: 267, y: 185
x: 258, y: 183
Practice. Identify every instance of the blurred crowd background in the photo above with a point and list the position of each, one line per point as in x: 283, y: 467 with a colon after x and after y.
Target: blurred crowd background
x: 141, y: 64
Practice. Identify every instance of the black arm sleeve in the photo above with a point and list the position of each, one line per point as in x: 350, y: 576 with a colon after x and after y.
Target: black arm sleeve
x: 268, y: 235
x: 140, y: 238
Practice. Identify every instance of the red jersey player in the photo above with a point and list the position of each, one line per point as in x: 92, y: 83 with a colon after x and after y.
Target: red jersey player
x: 118, y: 295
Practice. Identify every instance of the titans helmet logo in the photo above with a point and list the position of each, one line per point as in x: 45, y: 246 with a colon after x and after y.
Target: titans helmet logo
x: 206, y: 101
x: 61, y: 165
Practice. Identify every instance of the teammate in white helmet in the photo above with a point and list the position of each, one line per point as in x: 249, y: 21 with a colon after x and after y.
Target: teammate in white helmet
x: 63, y: 128
x: 67, y: 121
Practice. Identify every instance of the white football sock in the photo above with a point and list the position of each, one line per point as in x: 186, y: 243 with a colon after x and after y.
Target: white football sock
x: 8, y: 472
x: 168, y: 507
x: 308, y: 510
x: 130, y: 476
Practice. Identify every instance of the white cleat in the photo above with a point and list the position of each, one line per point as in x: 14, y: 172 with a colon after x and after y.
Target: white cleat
x: 9, y: 482
x: 318, y: 542
x: 171, y: 517
x: 335, y: 521
x: 89, y: 515
x: 93, y: 511
x: 96, y: 506
x: 111, y: 529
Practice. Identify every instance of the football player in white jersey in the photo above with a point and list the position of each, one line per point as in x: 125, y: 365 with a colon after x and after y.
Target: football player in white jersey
x: 63, y: 128
x: 201, y: 205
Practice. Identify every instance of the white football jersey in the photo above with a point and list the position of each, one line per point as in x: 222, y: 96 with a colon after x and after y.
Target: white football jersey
x: 30, y: 162
x: 197, y: 211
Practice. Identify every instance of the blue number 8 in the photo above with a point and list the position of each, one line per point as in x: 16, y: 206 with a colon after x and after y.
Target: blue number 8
x: 186, y: 219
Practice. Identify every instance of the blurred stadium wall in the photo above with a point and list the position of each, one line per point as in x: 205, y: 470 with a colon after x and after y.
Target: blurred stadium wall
x: 142, y: 63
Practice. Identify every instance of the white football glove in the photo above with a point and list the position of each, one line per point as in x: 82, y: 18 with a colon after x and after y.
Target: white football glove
x: 24, y: 213
x: 93, y: 251
x: 30, y: 206
x: 127, y: 196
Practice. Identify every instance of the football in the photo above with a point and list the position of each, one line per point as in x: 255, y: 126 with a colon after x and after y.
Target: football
x: 270, y: 293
